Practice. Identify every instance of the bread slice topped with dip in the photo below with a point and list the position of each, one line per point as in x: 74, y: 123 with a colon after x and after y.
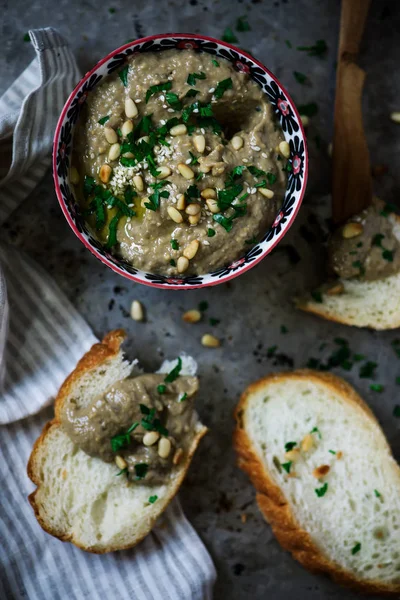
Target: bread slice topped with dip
x: 367, y: 293
x: 325, y: 477
x: 117, y: 451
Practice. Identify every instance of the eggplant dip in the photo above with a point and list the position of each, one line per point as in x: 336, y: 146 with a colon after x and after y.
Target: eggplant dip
x: 144, y: 424
x: 179, y: 163
x: 367, y: 246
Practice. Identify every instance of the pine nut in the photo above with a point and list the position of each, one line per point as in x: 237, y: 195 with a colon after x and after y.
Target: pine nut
x: 193, y: 209
x: 204, y: 168
x: 237, y: 142
x: 137, y: 312
x: 177, y: 456
x: 191, y: 249
x: 174, y: 214
x: 138, y: 182
x: 395, y: 116
x: 178, y: 130
x: 110, y: 135
x: 307, y: 443
x: 128, y: 155
x: 266, y: 192
x: 181, y: 202
x: 127, y: 128
x: 131, y: 110
x: 150, y: 438
x: 217, y: 170
x: 212, y: 205
x: 293, y: 454
x: 194, y: 219
x: 210, y: 341
x: 351, y: 230
x: 284, y: 149
x: 199, y: 142
x: 182, y: 264
x: 192, y: 316
x: 74, y: 176
x: 120, y: 462
x: 163, y: 172
x: 337, y: 288
x: 321, y: 471
x: 185, y: 171
x: 164, y: 447
x: 305, y: 120
x: 144, y: 138
x: 105, y: 173
x: 208, y: 193
x: 114, y: 152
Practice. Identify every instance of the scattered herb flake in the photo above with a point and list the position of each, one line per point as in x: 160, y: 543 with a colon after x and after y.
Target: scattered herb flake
x: 193, y: 159
x: 225, y: 222
x: 287, y: 466
x: 288, y: 43
x: 191, y: 93
x: 300, y: 77
x: 229, y: 37
x: 322, y: 490
x: 317, y: 296
x: 308, y: 110
x: 318, y: 49
x: 112, y: 230
x: 172, y: 262
x: 191, y: 79
x: 242, y: 24
x: 290, y: 445
x: 141, y: 470
x: 376, y: 387
x: 213, y: 321
x: 160, y: 87
x: 123, y: 439
x: 183, y: 397
x: 377, y: 494
x: 122, y: 471
x: 103, y: 120
x: 215, y: 62
x: 316, y: 430
x: 161, y: 388
x: 203, y: 306
x: 153, y: 499
x: 388, y: 255
x: 356, y: 548
x: 210, y: 232
x: 396, y: 411
x: 174, y: 374
x: 173, y: 100
x: 27, y: 38
x: 222, y: 86
x: 123, y: 75
x: 174, y: 244
x: 368, y: 370
x: 284, y: 329
x: 332, y: 451
x: 377, y: 239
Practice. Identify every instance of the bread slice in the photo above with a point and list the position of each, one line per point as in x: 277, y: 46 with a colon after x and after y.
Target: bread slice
x: 374, y: 304
x: 79, y: 498
x: 345, y: 521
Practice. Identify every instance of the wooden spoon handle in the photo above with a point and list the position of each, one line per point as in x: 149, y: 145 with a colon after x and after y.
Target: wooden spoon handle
x: 351, y: 186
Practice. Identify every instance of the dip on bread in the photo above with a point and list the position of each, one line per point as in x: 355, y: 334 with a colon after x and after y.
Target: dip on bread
x: 179, y: 163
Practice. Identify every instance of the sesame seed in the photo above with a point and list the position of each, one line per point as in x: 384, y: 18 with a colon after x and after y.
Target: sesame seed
x: 211, y: 90
x: 170, y: 110
x: 205, y: 243
x: 162, y: 98
x: 256, y: 148
x: 253, y: 190
x: 137, y: 100
x: 163, y: 121
x: 188, y: 161
x: 164, y: 106
x: 245, y: 160
x: 203, y: 130
x: 264, y: 154
x: 196, y: 110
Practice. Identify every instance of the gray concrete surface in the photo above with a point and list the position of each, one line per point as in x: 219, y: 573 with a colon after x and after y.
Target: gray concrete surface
x: 252, y: 308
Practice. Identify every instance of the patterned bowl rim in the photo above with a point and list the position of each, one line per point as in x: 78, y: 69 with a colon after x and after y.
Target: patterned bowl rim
x: 94, y: 251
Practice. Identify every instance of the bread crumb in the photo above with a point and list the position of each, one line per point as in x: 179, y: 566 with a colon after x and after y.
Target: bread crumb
x: 339, y: 454
x: 243, y: 517
x: 321, y: 471
x: 64, y: 474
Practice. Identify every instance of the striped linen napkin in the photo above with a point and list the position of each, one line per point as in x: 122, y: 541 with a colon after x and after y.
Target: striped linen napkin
x: 41, y: 338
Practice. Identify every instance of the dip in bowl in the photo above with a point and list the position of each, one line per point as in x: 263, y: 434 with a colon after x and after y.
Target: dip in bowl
x: 179, y: 161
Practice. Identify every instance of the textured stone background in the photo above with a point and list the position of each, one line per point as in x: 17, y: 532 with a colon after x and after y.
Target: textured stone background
x: 252, y: 308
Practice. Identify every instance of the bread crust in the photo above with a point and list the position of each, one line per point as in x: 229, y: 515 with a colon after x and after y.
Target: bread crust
x: 271, y: 500
x: 98, y: 354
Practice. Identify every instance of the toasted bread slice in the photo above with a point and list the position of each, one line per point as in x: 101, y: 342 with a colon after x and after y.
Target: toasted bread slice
x: 325, y: 477
x: 79, y: 498
x: 374, y: 304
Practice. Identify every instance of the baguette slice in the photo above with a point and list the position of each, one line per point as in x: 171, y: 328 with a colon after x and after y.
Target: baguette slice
x: 352, y: 531
x: 374, y: 304
x: 79, y: 498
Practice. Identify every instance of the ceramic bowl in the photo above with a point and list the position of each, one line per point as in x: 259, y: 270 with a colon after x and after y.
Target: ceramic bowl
x: 285, y: 111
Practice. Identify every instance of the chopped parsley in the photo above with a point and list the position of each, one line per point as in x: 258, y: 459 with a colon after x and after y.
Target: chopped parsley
x: 288, y: 43
x: 252, y: 240
x: 387, y: 255
x: 284, y: 329
x: 150, y: 422
x: 27, y: 38
x: 300, y: 77
x: 377, y: 494
x: 191, y: 80
x: 160, y: 87
x: 174, y: 374
x: 287, y: 466
x: 317, y: 296
x: 203, y: 306
x: 213, y: 321
x: 242, y: 24
x: 89, y: 183
x: 290, y: 445
x: 183, y: 397
x: 318, y: 49
x: 173, y: 100
x: 192, y: 193
x: 141, y: 470
x: 210, y: 232
x: 174, y: 244
x: 322, y: 490
x: 308, y: 110
x: 161, y: 388
x: 103, y: 120
x: 193, y: 159
x: 123, y: 75
x: 191, y: 93
x: 368, y: 370
x: 396, y: 411
x: 256, y: 172
x: 154, y: 198
x: 123, y: 439
x: 228, y: 36
x: 111, y: 11
x: 172, y: 262
x: 122, y: 471
x: 356, y: 548
x: 316, y: 430
x: 112, y: 231
x: 215, y: 62
x: 357, y: 264
x: 377, y: 239
x: 332, y: 451
x: 222, y: 86
x: 376, y: 387
x: 153, y: 499
x: 225, y: 222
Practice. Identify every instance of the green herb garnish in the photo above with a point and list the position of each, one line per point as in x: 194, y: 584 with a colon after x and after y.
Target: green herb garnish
x: 225, y: 222
x: 160, y: 87
x: 173, y: 100
x: 203, y: 305
x: 368, y: 370
x: 316, y: 430
x: 290, y: 445
x: 154, y: 198
x: 396, y: 411
x: 222, y: 86
x: 88, y: 185
x: 287, y: 466
x: 252, y: 240
x: 193, y: 159
x: 183, y: 397
x: 376, y: 387
x: 161, y: 388
x: 153, y: 499
x: 300, y: 77
x: 191, y: 93
x: 123, y: 439
x: 172, y: 262
x: 387, y: 255
x: 213, y: 321
x: 111, y: 11
x: 317, y: 296
x: 123, y: 75
x: 242, y: 24
x: 174, y: 374
x: 103, y: 120
x: 141, y: 470
x: 191, y: 80
x: 322, y: 490
x: 377, y: 239
x: 27, y: 38
x: 112, y: 230
x: 229, y: 36
x: 122, y: 471
x: 318, y: 49
x: 215, y: 62
x: 332, y: 451
x: 192, y: 193
x: 356, y: 548
x: 174, y: 244
x: 308, y: 110
x: 210, y: 232
x: 284, y: 329
x: 377, y: 494
x: 357, y: 264
x: 288, y: 43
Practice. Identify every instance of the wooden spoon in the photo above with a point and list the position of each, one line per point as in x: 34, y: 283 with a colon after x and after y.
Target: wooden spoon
x: 352, y: 185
